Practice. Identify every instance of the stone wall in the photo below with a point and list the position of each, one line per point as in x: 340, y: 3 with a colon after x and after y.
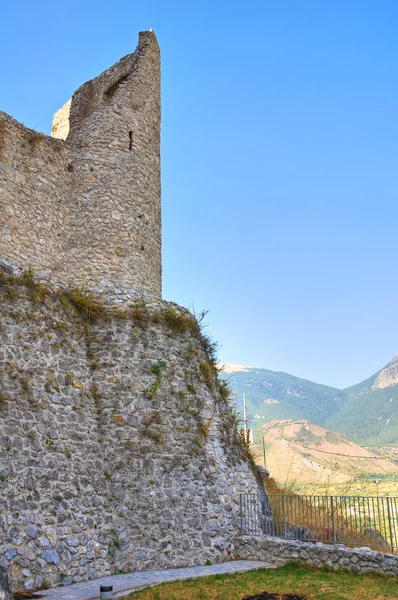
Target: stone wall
x: 279, y: 551
x: 85, y: 209
x: 4, y: 587
x: 117, y: 445
x: 34, y: 188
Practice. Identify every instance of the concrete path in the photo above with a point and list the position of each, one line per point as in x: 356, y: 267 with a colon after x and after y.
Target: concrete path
x: 124, y: 584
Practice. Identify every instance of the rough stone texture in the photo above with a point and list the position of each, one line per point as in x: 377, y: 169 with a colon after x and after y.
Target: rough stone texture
x: 4, y: 588
x: 116, y: 449
x: 278, y: 551
x: 87, y: 210
x: 60, y: 128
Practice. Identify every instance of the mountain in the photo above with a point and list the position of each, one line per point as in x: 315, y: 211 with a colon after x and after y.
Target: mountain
x: 278, y: 395
x: 366, y: 413
x: 299, y: 451
x: 370, y: 414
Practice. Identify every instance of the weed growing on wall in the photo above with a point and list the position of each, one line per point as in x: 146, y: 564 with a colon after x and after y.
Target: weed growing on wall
x: 87, y: 304
x: 156, y: 370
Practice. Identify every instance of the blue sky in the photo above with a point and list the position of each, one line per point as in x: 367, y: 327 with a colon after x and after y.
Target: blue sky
x: 279, y: 155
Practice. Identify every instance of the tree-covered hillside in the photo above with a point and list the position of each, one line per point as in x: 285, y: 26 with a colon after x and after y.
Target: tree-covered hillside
x: 366, y: 413
x: 276, y: 395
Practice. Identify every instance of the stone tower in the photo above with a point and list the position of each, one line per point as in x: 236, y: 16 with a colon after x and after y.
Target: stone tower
x: 85, y: 208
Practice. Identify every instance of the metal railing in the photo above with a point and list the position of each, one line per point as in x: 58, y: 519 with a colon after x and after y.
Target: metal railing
x: 350, y: 520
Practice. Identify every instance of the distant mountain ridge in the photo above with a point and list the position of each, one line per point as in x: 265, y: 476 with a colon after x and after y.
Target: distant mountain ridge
x: 366, y: 413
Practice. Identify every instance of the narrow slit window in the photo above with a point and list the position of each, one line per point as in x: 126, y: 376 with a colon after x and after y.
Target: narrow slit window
x: 131, y: 140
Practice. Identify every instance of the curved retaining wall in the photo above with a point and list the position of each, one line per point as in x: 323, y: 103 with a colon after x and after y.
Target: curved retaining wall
x: 279, y: 551
x: 117, y: 447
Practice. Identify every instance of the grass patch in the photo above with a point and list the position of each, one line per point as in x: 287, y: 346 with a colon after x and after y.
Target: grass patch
x: 38, y: 292
x: 289, y: 579
x: 88, y: 305
x: 180, y: 322
x: 208, y: 373
x: 151, y: 425
x: 141, y: 315
x: 4, y: 400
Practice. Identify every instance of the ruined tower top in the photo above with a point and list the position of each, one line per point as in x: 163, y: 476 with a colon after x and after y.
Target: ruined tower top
x: 83, y: 207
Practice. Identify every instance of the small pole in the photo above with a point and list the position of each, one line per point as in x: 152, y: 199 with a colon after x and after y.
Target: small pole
x: 390, y: 523
x: 244, y: 417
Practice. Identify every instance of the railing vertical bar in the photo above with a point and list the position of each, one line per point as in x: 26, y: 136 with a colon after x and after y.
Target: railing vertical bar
x: 310, y: 501
x: 250, y: 509
x: 373, y: 525
x: 374, y: 515
x: 350, y: 517
x: 321, y: 517
x: 241, y: 513
x: 260, y: 513
x: 395, y: 521
x: 324, y: 508
x: 256, y: 515
x: 355, y: 522
x: 333, y: 523
x: 368, y: 526
x: 386, y: 528
x: 390, y: 524
x: 380, y: 527
x: 247, y: 512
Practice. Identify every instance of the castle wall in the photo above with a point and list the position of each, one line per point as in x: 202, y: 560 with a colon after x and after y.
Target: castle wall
x: 60, y: 126
x: 115, y: 204
x: 34, y: 193
x: 117, y: 450
x: 86, y: 207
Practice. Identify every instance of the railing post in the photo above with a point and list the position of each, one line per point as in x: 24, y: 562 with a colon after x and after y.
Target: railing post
x: 333, y: 525
x: 283, y: 516
x: 241, y: 514
x: 390, y: 523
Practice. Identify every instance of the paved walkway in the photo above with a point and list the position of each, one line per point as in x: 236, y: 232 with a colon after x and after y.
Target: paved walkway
x: 123, y: 584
